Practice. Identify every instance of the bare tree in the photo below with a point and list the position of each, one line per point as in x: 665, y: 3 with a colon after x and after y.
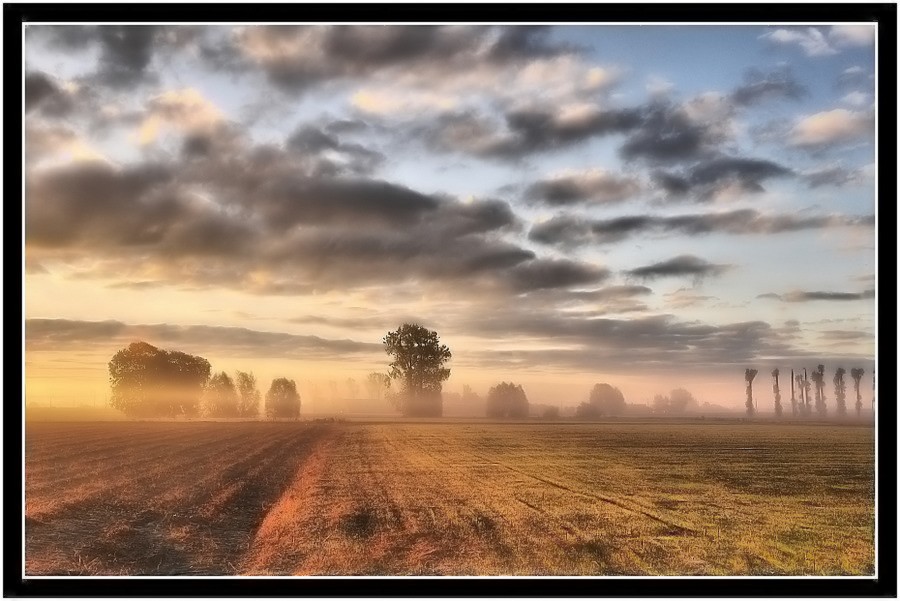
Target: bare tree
x: 807, y: 410
x: 840, y: 392
x: 777, y: 392
x: 857, y: 373
x: 749, y: 374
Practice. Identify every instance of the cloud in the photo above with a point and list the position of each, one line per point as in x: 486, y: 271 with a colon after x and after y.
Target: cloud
x: 668, y: 133
x: 295, y: 58
x: 810, y: 39
x: 570, y: 231
x: 707, y: 180
x: 803, y: 296
x: 539, y: 274
x: 834, y: 176
x: 759, y: 87
x: 852, y: 35
x: 525, y: 131
x: 65, y: 334
x: 184, y: 110
x: 682, y: 265
x: 856, y: 99
x: 594, y: 186
x: 828, y: 128
x: 853, y: 77
x: 356, y: 158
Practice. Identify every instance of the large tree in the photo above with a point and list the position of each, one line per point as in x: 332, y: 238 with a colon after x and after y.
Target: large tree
x: 857, y: 373
x: 146, y: 381
x: 249, y: 396
x: 282, y: 399
x: 507, y: 400
x: 418, y: 364
x: 221, y: 398
x: 679, y: 401
x: 603, y: 400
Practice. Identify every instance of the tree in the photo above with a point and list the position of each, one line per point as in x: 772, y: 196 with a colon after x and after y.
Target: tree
x: 818, y: 377
x: 551, y: 413
x: 793, y: 397
x: 840, y: 392
x: 377, y: 385
x: 507, y: 400
x: 221, y: 398
x: 282, y: 399
x: 151, y: 382
x: 857, y: 373
x: 749, y: 374
x: 679, y: 401
x: 609, y: 400
x: 777, y: 392
x: 418, y: 364
x: 249, y: 396
x: 807, y: 410
x: 352, y: 388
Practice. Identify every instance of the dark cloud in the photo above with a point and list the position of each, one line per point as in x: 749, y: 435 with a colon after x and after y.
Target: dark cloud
x: 707, y: 179
x: 598, y: 187
x: 625, y: 344
x: 38, y: 86
x: 847, y: 335
x: 835, y: 176
x: 211, y: 341
x: 555, y: 273
x: 571, y: 231
x: 354, y: 157
x: 803, y: 296
x: 294, y: 58
x: 682, y: 265
x: 668, y: 134
x: 126, y: 52
x: 759, y: 87
x: 523, y: 132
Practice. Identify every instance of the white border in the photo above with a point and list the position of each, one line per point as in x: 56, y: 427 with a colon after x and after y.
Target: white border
x: 414, y: 23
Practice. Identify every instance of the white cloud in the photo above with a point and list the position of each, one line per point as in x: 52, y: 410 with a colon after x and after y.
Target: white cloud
x: 811, y: 40
x: 852, y: 35
x: 857, y: 99
x: 829, y: 127
x: 183, y: 110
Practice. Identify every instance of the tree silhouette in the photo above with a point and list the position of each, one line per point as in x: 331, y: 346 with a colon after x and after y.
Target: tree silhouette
x: 678, y: 401
x: 749, y: 374
x: 840, y: 392
x: 857, y: 373
x: 793, y: 396
x: 418, y: 363
x: 818, y: 377
x: 282, y: 399
x: 777, y: 392
x: 507, y: 400
x: 221, y: 397
x: 352, y: 388
x: 377, y: 385
x: 151, y: 382
x: 807, y: 409
x: 248, y: 395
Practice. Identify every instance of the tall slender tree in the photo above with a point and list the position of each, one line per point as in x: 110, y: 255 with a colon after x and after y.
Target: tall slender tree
x: 840, y: 392
x: 793, y: 397
x: 749, y: 374
x: 819, y: 378
x: 777, y: 392
x: 807, y: 409
x: 857, y: 373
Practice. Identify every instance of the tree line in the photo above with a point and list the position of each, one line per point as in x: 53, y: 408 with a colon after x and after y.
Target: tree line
x: 801, y: 388
x: 146, y: 381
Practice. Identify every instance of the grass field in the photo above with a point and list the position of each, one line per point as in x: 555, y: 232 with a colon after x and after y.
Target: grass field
x: 448, y: 498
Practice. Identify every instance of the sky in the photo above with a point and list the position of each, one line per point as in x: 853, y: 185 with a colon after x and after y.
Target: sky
x: 652, y: 206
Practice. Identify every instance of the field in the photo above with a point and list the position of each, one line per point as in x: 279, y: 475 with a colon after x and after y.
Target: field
x: 448, y: 498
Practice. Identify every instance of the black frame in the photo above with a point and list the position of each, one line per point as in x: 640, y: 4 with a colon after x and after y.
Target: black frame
x: 15, y: 15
